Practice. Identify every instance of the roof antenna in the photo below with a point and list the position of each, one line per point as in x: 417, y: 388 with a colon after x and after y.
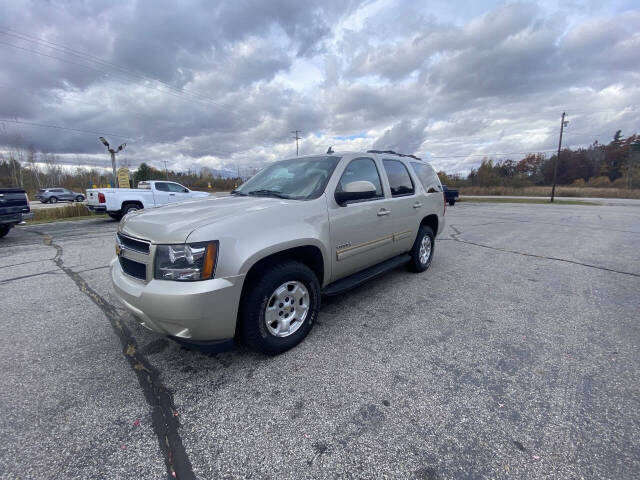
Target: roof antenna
x: 330, y: 149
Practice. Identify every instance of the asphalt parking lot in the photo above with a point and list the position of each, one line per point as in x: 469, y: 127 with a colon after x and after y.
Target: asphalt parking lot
x: 514, y: 356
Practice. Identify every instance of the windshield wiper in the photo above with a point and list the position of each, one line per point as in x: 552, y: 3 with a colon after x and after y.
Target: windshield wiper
x: 267, y: 192
x: 238, y: 192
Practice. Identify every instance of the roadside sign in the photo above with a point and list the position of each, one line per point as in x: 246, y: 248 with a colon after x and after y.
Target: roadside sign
x: 123, y: 177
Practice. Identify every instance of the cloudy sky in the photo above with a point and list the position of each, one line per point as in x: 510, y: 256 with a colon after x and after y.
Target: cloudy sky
x: 223, y: 84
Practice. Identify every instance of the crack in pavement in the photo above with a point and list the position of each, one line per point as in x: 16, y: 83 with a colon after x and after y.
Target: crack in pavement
x: 24, y: 263
x: 455, y: 238
x: 159, y: 397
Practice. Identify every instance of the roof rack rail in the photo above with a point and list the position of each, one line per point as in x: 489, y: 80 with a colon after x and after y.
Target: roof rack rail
x: 391, y: 152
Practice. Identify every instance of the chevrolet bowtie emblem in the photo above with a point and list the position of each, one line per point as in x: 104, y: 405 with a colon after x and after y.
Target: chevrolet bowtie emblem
x: 118, y: 250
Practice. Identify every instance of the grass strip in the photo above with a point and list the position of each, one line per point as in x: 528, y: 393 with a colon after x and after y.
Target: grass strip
x: 525, y: 200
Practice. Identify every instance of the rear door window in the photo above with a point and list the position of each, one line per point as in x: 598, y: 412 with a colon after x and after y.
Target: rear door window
x: 162, y: 187
x: 399, y: 178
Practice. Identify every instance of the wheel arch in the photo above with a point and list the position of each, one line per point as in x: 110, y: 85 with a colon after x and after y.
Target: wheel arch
x: 310, y: 255
x: 432, y: 222
x: 131, y: 202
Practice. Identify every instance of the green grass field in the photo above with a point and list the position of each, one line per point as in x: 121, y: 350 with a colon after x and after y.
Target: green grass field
x: 525, y: 200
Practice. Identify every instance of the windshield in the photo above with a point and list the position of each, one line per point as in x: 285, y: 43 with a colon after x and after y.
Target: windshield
x: 298, y: 178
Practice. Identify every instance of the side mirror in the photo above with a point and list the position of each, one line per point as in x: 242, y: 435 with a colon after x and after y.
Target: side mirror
x: 360, y: 190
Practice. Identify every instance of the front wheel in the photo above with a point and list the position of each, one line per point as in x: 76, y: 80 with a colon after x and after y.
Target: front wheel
x: 422, y: 251
x: 280, y: 307
x: 53, y: 200
x: 4, y: 229
x: 79, y: 198
x: 452, y: 202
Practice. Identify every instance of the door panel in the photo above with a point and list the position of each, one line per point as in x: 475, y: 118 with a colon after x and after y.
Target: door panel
x: 404, y: 203
x: 361, y: 231
x: 161, y: 193
x: 177, y: 193
x: 361, y: 236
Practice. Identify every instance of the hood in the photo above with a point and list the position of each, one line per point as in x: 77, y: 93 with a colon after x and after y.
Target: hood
x: 174, y: 223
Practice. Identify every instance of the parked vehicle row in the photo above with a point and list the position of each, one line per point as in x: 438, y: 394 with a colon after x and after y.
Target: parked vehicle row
x: 117, y: 202
x: 14, y: 208
x: 256, y: 263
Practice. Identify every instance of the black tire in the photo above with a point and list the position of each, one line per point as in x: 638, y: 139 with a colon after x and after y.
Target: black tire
x: 4, y: 229
x: 43, y: 201
x: 79, y: 198
x: 416, y: 264
x: 53, y: 200
x: 130, y: 207
x: 115, y: 215
x: 257, y: 296
x: 452, y: 202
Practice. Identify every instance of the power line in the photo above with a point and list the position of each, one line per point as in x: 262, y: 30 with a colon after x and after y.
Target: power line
x: 488, y: 154
x: 181, y: 92
x: 44, y: 125
x: 105, y: 73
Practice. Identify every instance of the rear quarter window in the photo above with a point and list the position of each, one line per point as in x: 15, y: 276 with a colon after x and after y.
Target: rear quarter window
x: 427, y: 176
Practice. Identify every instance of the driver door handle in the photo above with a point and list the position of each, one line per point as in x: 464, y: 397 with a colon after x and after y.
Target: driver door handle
x: 417, y: 205
x: 383, y: 211
x: 172, y: 194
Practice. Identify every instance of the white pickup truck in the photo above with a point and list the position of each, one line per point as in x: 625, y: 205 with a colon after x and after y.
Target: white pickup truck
x: 117, y: 202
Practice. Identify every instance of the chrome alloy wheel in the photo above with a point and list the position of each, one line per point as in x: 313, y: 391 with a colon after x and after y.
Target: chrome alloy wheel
x: 287, y: 309
x: 425, y: 249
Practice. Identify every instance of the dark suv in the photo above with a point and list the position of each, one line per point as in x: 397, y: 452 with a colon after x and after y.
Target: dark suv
x: 55, y: 195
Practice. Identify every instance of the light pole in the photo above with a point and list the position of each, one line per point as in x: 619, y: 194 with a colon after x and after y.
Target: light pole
x: 113, y: 158
x: 563, y: 124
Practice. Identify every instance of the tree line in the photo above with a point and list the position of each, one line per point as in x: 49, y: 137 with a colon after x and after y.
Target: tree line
x: 616, y: 164
x: 33, y: 170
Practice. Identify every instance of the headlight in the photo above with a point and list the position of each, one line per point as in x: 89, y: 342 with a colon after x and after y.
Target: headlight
x: 186, y: 262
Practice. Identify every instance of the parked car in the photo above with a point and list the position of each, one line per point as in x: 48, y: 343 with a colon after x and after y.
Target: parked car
x: 257, y: 262
x: 14, y: 208
x: 117, y: 202
x: 55, y: 195
x: 451, y: 195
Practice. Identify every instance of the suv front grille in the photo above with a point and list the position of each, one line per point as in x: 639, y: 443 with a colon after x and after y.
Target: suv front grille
x: 133, y: 268
x: 132, y: 244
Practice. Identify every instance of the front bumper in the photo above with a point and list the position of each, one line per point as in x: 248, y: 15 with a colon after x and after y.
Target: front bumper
x: 203, y: 311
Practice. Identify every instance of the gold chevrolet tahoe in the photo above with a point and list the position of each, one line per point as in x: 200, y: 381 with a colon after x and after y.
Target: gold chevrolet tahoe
x: 256, y: 263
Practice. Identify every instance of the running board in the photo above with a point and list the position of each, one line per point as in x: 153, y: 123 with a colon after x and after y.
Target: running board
x: 359, y: 278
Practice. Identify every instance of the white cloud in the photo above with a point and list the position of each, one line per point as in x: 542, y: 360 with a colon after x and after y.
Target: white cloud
x: 224, y: 85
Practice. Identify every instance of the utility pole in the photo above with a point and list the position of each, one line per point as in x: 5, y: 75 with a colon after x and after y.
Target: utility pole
x: 113, y: 152
x: 166, y: 171
x: 555, y: 167
x: 296, y: 137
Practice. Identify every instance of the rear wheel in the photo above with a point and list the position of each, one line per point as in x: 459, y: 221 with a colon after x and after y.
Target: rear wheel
x: 130, y: 207
x: 4, y: 229
x: 53, y: 200
x: 422, y: 251
x: 280, y: 307
x: 452, y: 202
